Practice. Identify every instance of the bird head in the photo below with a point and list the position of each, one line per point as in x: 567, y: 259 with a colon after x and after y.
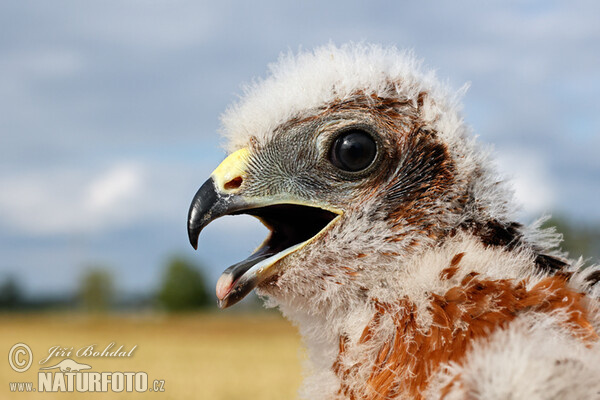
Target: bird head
x: 355, y: 161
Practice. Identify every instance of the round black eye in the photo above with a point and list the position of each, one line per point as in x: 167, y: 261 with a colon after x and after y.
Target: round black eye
x: 353, y: 151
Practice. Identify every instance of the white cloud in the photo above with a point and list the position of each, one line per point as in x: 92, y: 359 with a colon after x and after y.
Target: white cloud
x: 115, y: 186
x: 92, y: 199
x: 527, y: 173
x: 60, y: 201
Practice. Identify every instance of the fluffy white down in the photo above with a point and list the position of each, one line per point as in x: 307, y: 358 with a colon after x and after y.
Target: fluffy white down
x: 536, y: 358
x: 299, y: 84
x: 320, y: 326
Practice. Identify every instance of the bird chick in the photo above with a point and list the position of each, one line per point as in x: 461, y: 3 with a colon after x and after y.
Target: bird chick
x: 393, y: 245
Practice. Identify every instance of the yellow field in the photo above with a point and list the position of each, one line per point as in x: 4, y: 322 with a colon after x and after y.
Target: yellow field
x: 199, y: 356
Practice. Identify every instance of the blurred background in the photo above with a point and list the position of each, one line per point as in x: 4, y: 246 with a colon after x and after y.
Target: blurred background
x: 109, y: 120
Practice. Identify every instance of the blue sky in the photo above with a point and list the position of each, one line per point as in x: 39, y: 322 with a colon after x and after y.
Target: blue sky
x: 110, y: 114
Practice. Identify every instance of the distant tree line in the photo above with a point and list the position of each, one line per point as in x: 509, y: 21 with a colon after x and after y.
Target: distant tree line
x: 182, y: 288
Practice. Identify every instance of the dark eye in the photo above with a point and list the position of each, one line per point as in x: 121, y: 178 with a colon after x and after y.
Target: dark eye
x: 353, y: 151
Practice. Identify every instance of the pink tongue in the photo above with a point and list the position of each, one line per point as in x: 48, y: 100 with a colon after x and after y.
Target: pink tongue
x: 224, y: 285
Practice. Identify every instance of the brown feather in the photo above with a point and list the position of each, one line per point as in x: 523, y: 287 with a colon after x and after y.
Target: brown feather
x: 470, y: 311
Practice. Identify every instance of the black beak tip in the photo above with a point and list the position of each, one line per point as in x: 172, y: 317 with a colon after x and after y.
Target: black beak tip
x: 193, y: 233
x: 194, y: 242
x: 202, y: 208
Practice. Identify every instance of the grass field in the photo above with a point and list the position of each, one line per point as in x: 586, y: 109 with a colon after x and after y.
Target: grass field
x: 199, y: 356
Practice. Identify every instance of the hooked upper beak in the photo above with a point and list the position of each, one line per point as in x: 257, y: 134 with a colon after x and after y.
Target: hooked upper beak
x: 217, y: 196
x: 293, y: 224
x: 207, y: 205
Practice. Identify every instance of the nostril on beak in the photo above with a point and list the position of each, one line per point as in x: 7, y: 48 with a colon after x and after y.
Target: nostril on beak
x: 234, y: 183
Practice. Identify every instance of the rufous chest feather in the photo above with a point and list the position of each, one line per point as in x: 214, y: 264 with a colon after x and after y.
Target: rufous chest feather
x: 401, y: 365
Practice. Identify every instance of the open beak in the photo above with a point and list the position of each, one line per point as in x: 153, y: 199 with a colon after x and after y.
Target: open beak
x: 293, y: 223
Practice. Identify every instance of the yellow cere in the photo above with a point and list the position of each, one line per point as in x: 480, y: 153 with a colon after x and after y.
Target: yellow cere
x: 232, y: 167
